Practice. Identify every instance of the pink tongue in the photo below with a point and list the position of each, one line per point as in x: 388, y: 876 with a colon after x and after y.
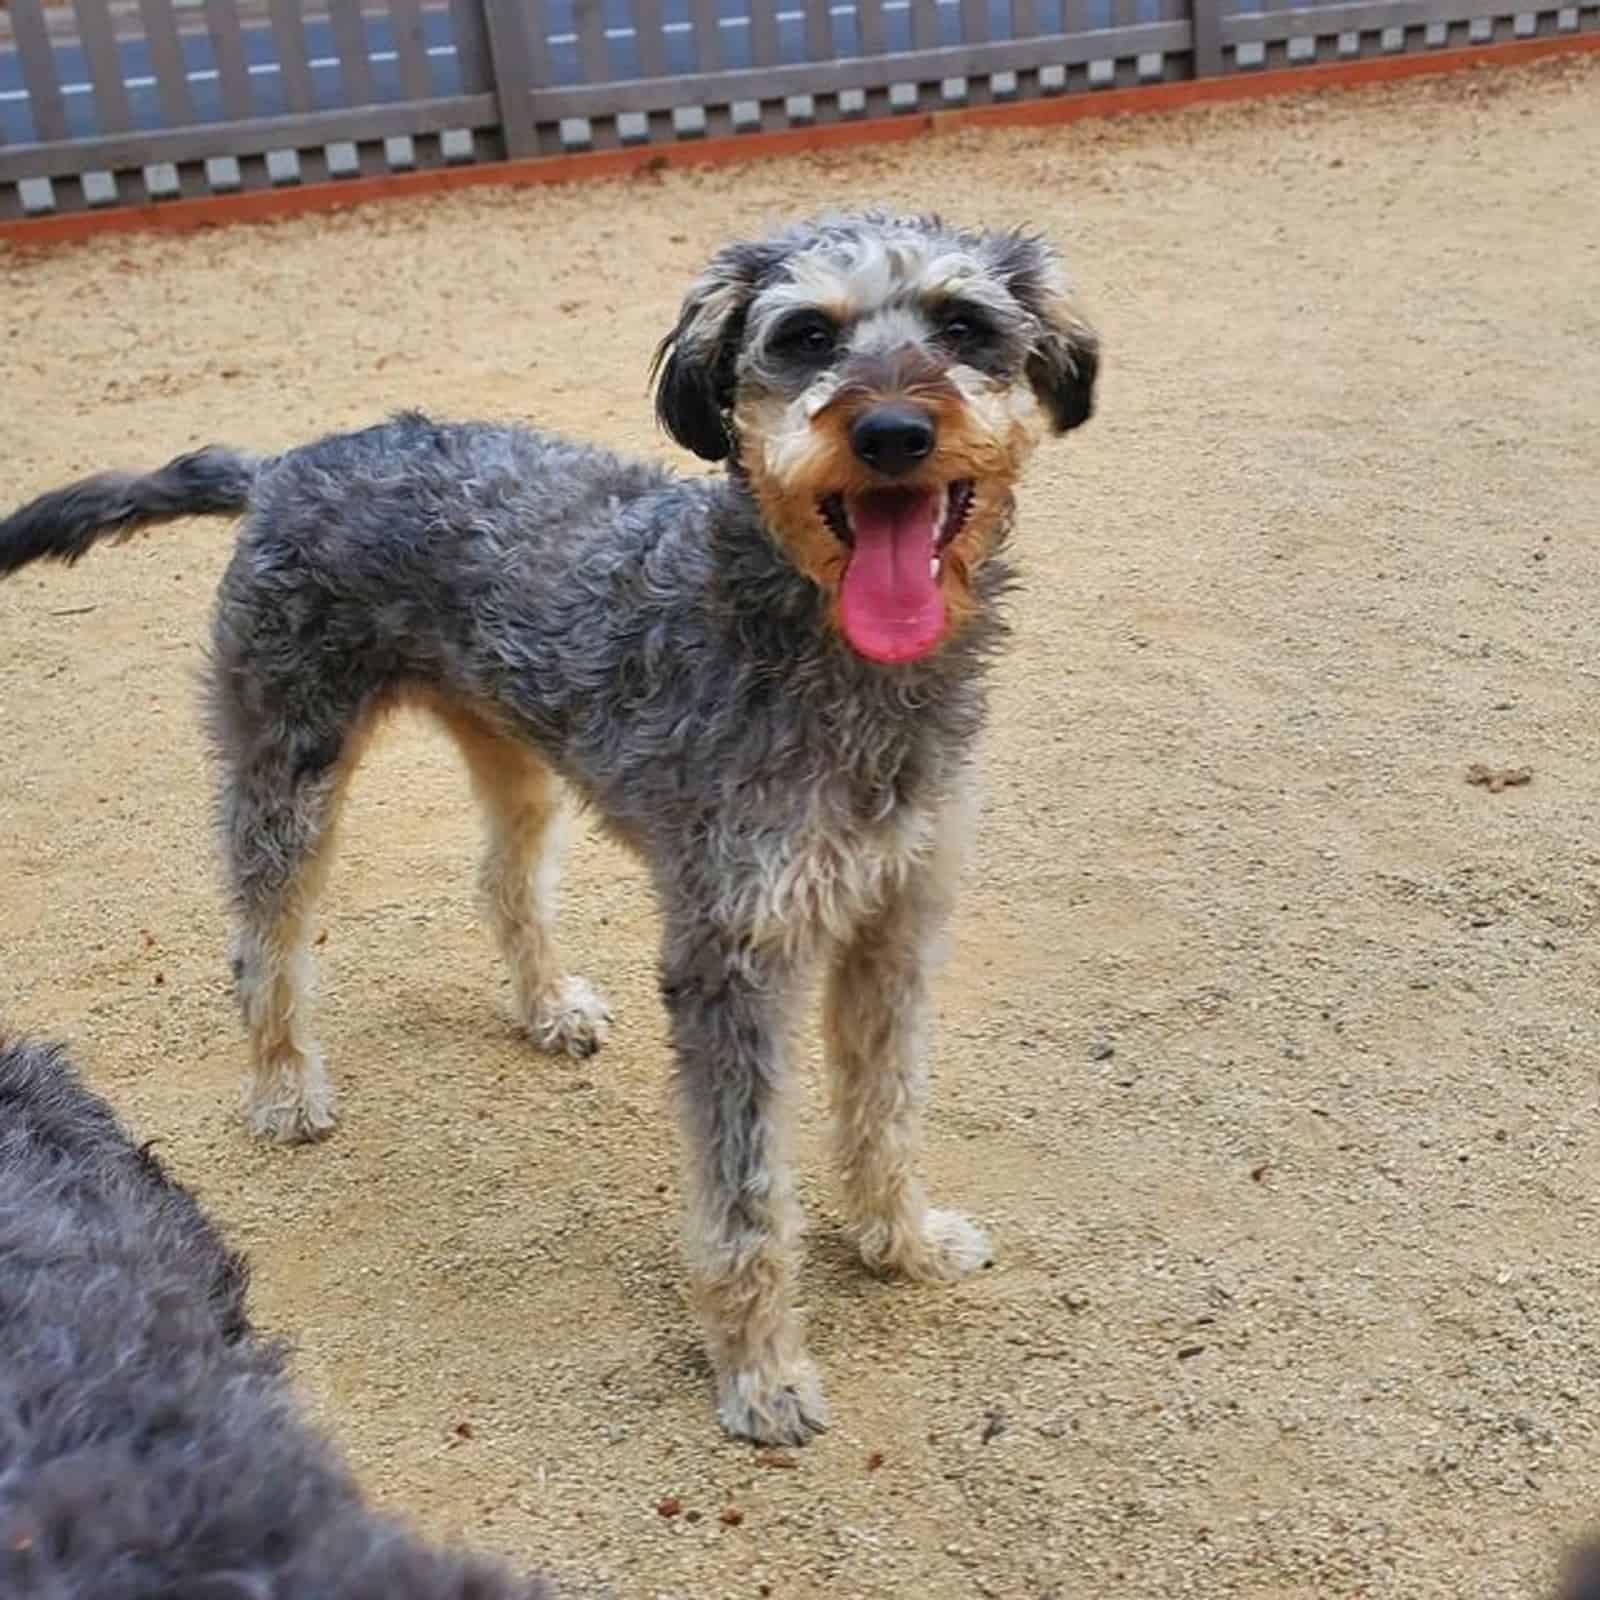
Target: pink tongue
x: 890, y: 603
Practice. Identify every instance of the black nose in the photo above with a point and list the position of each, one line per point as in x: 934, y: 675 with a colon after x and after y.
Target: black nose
x: 892, y: 439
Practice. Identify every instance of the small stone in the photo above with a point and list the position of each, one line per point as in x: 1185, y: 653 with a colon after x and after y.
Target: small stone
x: 1102, y: 1050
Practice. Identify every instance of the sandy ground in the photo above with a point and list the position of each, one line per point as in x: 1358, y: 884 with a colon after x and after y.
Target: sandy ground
x: 1297, y: 1292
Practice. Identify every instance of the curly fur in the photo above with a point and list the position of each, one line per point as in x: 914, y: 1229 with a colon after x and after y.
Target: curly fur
x: 666, y: 649
x: 150, y: 1448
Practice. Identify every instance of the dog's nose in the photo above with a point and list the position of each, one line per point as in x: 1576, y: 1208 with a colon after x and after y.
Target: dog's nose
x: 892, y: 439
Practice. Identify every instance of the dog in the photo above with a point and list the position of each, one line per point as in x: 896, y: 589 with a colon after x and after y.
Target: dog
x: 149, y: 1443
x: 768, y: 682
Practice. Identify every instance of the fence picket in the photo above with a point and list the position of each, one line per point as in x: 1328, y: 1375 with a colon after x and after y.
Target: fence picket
x: 819, y: 30
x: 350, y: 43
x: 594, y: 56
x: 974, y: 21
x: 708, y: 35
x: 105, y: 66
x: 411, y: 46
x: 227, y: 48
x: 869, y: 24
x: 469, y: 33
x: 32, y: 39
x: 166, y: 59
x: 924, y: 24
x: 1024, y: 19
x: 651, y: 41
x: 764, y: 50
x: 294, y: 57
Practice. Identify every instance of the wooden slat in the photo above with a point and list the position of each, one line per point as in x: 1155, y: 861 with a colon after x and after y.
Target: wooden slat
x: 858, y: 72
x: 974, y: 21
x: 350, y: 41
x: 117, y: 152
x: 1124, y: 13
x: 594, y: 58
x: 1024, y: 19
x: 166, y: 61
x: 764, y: 47
x: 1075, y: 17
x: 32, y: 41
x: 294, y: 54
x: 105, y: 66
x: 471, y: 37
x: 869, y: 23
x: 924, y: 24
x: 819, y: 30
x: 222, y: 23
x: 650, y: 39
x: 536, y: 30
x: 411, y: 45
x: 707, y: 34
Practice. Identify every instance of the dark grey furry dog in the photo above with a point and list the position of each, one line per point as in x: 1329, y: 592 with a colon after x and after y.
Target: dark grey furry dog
x: 150, y: 1448
x: 769, y: 684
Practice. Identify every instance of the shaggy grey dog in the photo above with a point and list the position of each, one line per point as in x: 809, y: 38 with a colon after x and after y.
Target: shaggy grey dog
x: 769, y: 684
x: 149, y: 1446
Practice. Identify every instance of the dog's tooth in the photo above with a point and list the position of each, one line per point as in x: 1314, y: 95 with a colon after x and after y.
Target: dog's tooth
x: 934, y: 564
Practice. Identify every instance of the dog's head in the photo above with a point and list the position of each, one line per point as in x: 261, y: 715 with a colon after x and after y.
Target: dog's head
x: 879, y: 382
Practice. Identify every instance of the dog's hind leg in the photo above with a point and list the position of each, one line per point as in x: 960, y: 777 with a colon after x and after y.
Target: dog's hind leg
x: 524, y: 823
x: 877, y: 1022
x: 279, y: 807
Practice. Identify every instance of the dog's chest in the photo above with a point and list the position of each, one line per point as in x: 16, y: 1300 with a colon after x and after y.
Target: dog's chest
x: 818, y: 880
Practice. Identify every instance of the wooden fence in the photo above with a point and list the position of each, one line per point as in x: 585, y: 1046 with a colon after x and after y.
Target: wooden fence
x: 119, y: 102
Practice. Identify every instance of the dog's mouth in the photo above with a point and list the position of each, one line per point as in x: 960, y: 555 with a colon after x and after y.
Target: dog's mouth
x: 890, y: 604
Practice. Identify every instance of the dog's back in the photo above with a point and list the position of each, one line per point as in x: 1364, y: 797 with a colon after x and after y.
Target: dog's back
x: 148, y: 1443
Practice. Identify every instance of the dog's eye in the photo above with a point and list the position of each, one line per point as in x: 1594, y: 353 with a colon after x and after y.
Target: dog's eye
x: 964, y: 329
x: 807, y: 336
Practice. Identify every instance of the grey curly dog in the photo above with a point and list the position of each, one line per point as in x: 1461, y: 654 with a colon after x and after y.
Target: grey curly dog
x: 150, y: 1448
x: 769, y: 684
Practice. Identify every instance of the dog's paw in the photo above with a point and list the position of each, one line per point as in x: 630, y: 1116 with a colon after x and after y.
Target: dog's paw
x: 570, y: 1019
x: 956, y: 1244
x: 948, y: 1246
x: 771, y: 1408
x: 291, y: 1103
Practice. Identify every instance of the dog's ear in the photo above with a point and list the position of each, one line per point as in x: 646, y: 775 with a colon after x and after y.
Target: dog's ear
x: 1063, y: 366
x: 695, y: 366
x: 1063, y: 360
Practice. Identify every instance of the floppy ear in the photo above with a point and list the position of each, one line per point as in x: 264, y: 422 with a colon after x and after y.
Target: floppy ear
x: 694, y: 370
x: 1063, y: 366
x: 1064, y: 357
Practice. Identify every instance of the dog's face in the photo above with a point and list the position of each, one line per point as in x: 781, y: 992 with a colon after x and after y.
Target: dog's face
x: 880, y: 382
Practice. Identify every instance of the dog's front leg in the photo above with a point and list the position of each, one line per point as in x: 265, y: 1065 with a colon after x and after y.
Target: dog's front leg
x: 728, y: 1005
x: 877, y: 1021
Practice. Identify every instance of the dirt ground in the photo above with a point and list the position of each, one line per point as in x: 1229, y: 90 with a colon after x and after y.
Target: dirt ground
x: 1268, y: 1046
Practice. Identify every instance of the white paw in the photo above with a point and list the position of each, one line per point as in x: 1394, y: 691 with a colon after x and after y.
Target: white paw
x: 291, y: 1102
x: 947, y: 1246
x: 771, y: 1407
x: 571, y: 1019
x: 957, y: 1242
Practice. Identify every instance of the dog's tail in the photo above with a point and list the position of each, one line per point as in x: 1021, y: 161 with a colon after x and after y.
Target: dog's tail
x: 66, y: 523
